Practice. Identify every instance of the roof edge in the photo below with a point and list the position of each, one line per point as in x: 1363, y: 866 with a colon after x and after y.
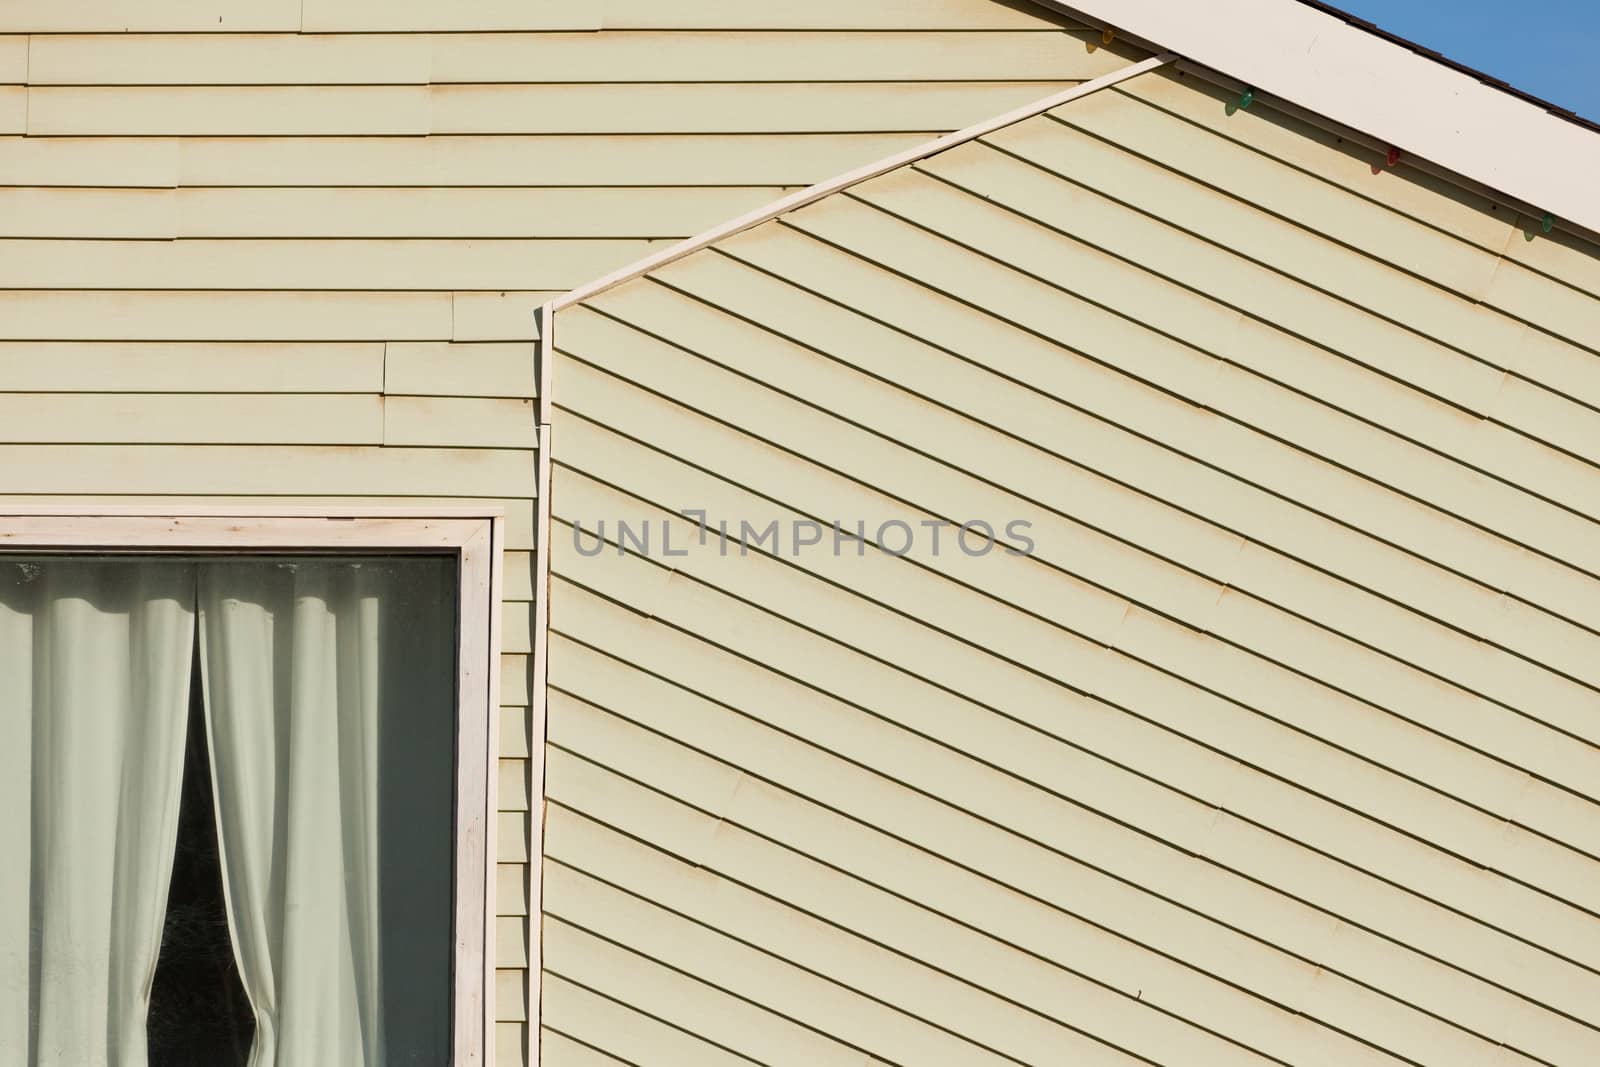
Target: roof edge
x: 1306, y: 56
x: 829, y: 186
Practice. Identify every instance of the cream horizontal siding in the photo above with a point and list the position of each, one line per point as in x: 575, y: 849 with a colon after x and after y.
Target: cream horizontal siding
x: 281, y: 315
x: 265, y: 470
x: 549, y: 161
x: 828, y: 15
x: 146, y: 162
x: 267, y: 111
x: 410, y: 16
x: 123, y: 16
x: 236, y: 16
x: 193, y: 418
x: 14, y: 59
x: 291, y: 253
x: 440, y: 368
x: 372, y: 213
x: 195, y: 367
x: 642, y: 56
x: 1282, y: 744
x: 349, y: 264
x: 13, y: 109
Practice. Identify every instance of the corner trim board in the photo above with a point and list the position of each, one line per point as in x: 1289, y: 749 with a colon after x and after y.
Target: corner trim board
x: 537, y: 685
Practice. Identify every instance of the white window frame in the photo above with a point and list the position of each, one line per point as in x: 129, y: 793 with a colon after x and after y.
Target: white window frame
x: 475, y: 537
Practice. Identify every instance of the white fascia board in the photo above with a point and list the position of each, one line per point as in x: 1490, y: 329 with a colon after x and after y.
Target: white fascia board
x: 1426, y: 109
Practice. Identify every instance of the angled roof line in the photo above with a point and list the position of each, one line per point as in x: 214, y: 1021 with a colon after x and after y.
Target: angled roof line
x: 826, y: 188
x: 1328, y: 63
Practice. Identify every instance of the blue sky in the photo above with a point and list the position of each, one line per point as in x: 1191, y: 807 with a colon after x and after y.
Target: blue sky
x: 1550, y: 48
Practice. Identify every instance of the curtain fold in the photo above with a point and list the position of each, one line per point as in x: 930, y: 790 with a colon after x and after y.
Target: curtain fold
x: 329, y: 702
x: 95, y: 662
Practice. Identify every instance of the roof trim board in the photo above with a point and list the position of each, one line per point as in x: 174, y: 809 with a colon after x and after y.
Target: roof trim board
x: 813, y: 193
x: 1427, y: 108
x: 1439, y: 57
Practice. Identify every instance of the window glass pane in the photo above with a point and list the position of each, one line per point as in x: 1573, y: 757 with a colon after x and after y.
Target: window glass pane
x: 329, y: 694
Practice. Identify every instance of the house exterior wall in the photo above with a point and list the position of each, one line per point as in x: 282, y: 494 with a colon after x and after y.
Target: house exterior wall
x: 290, y: 252
x: 1279, y: 746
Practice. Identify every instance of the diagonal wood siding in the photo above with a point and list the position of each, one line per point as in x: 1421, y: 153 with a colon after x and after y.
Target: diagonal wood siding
x: 292, y: 250
x: 1283, y: 744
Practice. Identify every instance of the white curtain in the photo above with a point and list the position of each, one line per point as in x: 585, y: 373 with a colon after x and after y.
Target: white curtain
x: 95, y: 660
x: 329, y: 703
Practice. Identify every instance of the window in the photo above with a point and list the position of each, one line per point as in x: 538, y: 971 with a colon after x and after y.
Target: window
x: 244, y: 789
